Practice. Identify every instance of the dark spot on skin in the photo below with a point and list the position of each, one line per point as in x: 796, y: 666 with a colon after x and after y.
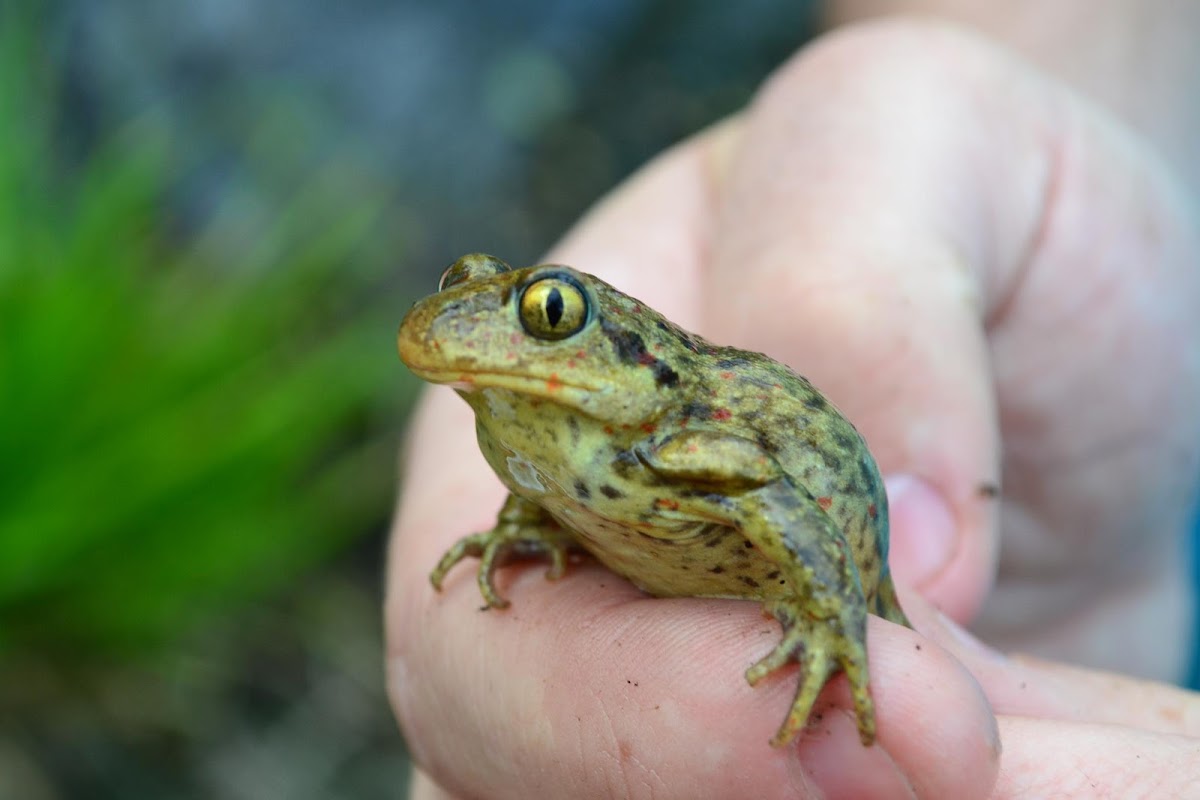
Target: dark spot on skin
x: 746, y: 579
x: 732, y: 363
x: 629, y: 345
x: 866, y: 468
x: 664, y: 375
x: 582, y: 491
x: 718, y: 499
x: 713, y: 542
x: 816, y: 402
x: 626, y: 458
x: 655, y: 539
x: 610, y: 492
x: 918, y: 647
x: 717, y: 570
x: 573, y: 426
x: 747, y: 544
x: 765, y: 443
x: 631, y: 349
x: 988, y: 490
x: 773, y: 574
x: 681, y: 336
x: 698, y: 411
x: 843, y: 440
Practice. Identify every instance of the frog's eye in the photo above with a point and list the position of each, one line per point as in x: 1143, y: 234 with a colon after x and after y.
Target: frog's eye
x: 554, y: 307
x: 471, y: 267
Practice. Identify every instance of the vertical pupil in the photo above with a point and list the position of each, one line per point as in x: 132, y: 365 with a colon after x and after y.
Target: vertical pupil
x: 554, y: 307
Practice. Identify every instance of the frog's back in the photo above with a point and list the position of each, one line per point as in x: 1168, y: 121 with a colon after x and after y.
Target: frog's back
x: 818, y: 448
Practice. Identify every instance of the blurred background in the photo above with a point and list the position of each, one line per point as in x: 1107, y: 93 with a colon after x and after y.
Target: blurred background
x: 212, y: 216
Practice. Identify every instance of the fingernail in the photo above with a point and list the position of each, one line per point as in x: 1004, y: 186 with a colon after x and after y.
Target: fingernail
x: 923, y: 533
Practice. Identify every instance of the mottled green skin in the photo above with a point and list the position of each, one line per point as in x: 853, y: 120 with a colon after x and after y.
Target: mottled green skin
x: 690, y: 469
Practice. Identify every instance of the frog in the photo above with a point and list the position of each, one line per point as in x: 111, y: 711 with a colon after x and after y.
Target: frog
x: 690, y: 469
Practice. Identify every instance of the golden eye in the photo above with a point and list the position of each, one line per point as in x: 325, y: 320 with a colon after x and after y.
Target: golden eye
x: 471, y: 267
x: 554, y: 307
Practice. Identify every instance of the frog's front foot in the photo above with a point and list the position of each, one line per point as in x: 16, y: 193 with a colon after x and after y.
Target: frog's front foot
x: 821, y: 647
x: 522, y: 530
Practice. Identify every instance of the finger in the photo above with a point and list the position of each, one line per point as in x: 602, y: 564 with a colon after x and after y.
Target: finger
x: 1020, y: 685
x: 902, y: 191
x: 422, y: 787
x: 1051, y: 758
x: 651, y: 236
x: 587, y: 687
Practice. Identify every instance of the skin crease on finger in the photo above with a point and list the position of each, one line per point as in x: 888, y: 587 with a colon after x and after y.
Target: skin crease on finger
x: 480, y: 695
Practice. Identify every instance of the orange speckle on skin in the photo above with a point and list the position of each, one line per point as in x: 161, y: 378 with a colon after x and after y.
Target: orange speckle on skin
x: 825, y: 502
x: 667, y: 503
x: 553, y: 384
x: 581, y: 354
x: 726, y: 375
x: 649, y: 427
x: 873, y: 511
x: 515, y: 338
x: 608, y: 430
x: 722, y: 414
x: 571, y: 363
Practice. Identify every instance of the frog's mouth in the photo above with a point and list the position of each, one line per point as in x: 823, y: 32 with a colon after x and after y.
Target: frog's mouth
x: 550, y: 387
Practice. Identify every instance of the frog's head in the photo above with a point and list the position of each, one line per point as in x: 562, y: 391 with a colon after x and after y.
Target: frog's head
x: 547, y: 332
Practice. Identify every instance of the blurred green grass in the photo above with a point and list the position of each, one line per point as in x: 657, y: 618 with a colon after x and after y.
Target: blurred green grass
x: 178, y: 433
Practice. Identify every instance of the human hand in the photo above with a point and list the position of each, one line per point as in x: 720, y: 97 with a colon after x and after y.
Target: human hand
x: 956, y: 251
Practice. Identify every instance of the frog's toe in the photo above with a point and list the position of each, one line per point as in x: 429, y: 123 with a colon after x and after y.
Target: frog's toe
x: 784, y: 653
x: 816, y: 672
x: 491, y: 560
x: 495, y: 548
x: 468, y: 546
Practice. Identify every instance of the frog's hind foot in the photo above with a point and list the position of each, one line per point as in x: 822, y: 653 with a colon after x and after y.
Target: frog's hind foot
x: 821, y: 647
x: 522, y: 531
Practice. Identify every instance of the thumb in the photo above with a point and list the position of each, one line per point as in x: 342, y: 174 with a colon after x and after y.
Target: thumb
x: 886, y: 210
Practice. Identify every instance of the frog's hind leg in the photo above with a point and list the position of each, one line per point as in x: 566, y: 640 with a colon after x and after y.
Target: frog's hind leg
x: 887, y: 605
x: 821, y: 647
